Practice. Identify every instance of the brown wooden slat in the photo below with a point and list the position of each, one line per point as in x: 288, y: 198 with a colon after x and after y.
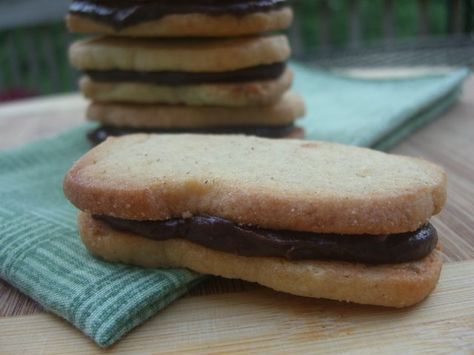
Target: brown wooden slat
x: 423, y: 18
x: 457, y: 16
x: 49, y: 56
x: 2, y: 79
x: 13, y: 60
x: 13, y: 303
x: 355, y: 29
x: 31, y: 49
x: 324, y: 24
x: 388, y: 20
x: 468, y: 10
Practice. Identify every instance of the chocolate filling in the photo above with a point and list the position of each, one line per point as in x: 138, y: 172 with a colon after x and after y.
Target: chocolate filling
x: 100, y: 134
x: 224, y: 235
x: 125, y: 13
x: 259, y: 72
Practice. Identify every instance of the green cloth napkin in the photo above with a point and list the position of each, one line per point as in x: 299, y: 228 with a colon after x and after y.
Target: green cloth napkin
x: 40, y: 251
x: 372, y: 113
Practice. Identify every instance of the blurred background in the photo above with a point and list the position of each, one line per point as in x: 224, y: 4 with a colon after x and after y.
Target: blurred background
x: 326, y: 33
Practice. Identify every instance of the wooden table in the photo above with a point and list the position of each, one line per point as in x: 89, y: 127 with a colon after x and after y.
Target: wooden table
x: 223, y: 315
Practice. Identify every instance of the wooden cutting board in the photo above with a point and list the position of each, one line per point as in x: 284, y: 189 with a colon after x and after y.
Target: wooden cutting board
x: 262, y: 320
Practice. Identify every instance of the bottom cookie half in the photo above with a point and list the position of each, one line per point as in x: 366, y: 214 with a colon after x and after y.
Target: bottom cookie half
x: 392, y: 285
x: 285, y: 111
x: 245, y: 94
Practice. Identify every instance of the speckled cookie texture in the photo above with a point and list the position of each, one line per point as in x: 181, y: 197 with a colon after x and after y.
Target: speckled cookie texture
x: 392, y: 285
x: 190, y: 25
x: 251, y: 93
x: 285, y: 111
x: 287, y: 185
x: 185, y: 55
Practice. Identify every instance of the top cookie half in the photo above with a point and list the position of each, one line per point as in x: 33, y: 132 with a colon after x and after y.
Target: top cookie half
x: 286, y: 185
x: 182, y: 55
x: 179, y: 18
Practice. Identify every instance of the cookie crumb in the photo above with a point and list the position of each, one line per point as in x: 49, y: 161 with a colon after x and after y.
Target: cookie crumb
x: 186, y: 215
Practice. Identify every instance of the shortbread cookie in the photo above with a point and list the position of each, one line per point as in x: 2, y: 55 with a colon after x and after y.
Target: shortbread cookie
x: 273, y: 121
x: 274, y: 184
x: 178, y: 55
x: 252, y: 93
x: 314, y: 219
x: 283, y: 112
x: 179, y: 19
x: 392, y: 285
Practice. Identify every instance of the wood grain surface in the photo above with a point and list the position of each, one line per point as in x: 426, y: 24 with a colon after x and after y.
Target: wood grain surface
x: 261, y: 320
x: 447, y: 141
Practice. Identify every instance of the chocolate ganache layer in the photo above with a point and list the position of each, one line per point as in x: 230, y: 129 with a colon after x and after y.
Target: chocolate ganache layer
x: 124, y: 13
x: 100, y: 134
x: 260, y: 72
x: 224, y: 235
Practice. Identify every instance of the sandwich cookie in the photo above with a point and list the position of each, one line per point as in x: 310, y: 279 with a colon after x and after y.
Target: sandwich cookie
x: 251, y: 93
x: 234, y: 72
x: 273, y: 121
x: 184, y: 18
x: 314, y: 219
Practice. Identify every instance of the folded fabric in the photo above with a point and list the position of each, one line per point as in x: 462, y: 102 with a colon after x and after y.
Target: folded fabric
x: 41, y: 253
x: 372, y: 113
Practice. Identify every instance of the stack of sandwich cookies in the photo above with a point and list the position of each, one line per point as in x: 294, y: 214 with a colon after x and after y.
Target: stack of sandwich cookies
x: 309, y: 218
x: 164, y: 82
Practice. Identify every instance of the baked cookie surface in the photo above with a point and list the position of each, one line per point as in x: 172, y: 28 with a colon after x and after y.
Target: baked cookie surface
x: 182, y: 55
x: 251, y: 93
x: 284, y: 111
x: 283, y: 185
